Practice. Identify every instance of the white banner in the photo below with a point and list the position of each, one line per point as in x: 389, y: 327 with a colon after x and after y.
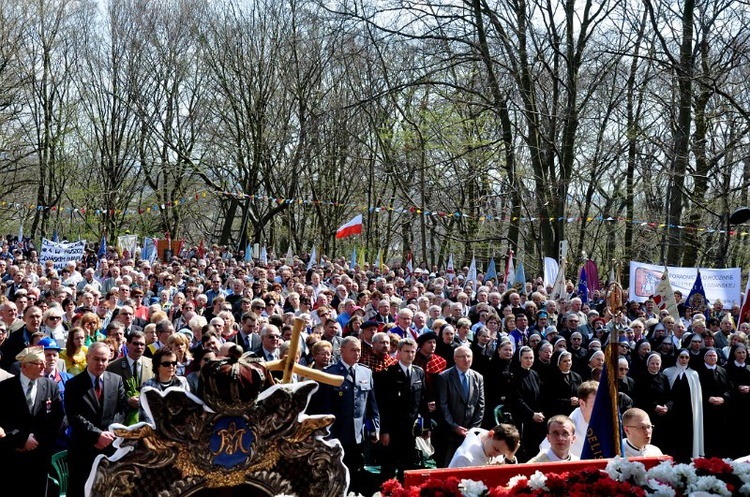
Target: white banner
x: 721, y: 284
x: 127, y: 242
x: 551, y: 267
x: 61, y: 252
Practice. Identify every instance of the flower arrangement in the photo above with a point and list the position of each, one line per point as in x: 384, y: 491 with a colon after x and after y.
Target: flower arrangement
x: 621, y: 477
x: 131, y: 390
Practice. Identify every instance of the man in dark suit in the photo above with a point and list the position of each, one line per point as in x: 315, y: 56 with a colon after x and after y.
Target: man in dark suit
x: 126, y: 316
x: 31, y: 416
x: 270, y: 337
x: 402, y: 397
x: 353, y: 403
x: 461, y: 399
x: 94, y: 399
x: 134, y: 365
x: 248, y: 337
x: 21, y: 338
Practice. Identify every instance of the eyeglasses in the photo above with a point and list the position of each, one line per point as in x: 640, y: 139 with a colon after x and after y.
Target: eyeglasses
x: 624, y: 369
x: 273, y: 337
x: 55, y: 318
x: 167, y: 364
x: 642, y: 427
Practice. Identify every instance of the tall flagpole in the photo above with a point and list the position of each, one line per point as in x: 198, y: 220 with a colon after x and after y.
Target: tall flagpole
x: 614, y: 301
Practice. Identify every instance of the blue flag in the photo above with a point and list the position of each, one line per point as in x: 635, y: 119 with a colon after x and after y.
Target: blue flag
x: 249, y: 252
x: 102, y: 248
x: 602, y: 439
x: 354, y: 258
x: 583, y: 286
x: 148, y: 252
x: 521, y: 277
x: 696, y: 299
x: 491, y: 271
x: 55, y: 238
x: 144, y: 249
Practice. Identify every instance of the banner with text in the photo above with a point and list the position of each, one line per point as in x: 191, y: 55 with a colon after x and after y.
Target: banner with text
x: 61, y: 252
x: 721, y: 284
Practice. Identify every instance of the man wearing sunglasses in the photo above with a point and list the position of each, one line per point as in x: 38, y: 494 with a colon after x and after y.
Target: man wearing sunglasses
x: 270, y: 338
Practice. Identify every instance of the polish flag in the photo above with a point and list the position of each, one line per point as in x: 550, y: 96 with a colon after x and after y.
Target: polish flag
x: 353, y: 227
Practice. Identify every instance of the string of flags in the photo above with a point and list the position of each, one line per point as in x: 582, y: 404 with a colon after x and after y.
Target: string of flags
x: 205, y: 196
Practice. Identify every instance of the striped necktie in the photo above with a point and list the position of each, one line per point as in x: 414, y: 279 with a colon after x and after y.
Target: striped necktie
x: 29, y: 396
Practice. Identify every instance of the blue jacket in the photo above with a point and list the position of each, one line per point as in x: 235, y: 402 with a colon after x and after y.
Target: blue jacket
x: 353, y: 404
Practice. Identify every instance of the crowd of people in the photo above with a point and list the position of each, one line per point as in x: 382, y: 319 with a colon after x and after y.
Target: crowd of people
x: 434, y: 365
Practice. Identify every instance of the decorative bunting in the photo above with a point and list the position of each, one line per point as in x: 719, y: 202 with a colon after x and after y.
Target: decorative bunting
x: 156, y: 209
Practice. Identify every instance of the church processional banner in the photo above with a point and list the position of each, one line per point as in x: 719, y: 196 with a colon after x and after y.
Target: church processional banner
x: 721, y: 284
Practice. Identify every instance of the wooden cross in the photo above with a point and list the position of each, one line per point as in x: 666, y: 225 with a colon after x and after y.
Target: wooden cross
x: 289, y: 363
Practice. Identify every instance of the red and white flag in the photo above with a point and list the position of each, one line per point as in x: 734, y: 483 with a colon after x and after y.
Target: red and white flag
x: 409, y: 263
x: 450, y: 272
x: 353, y: 227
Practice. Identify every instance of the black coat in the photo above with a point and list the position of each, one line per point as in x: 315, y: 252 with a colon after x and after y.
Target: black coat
x: 715, y: 383
x: 524, y: 400
x: 88, y: 418
x: 400, y: 399
x: 44, y: 421
x: 558, y: 390
x: 15, y: 343
x: 652, y: 390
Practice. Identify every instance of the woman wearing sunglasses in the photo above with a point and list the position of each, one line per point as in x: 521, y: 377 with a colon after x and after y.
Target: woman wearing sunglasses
x: 165, y: 375
x: 52, y: 324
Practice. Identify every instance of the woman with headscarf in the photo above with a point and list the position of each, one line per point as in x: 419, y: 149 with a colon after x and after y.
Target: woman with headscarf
x: 446, y: 344
x: 694, y: 344
x: 561, y: 389
x: 738, y: 372
x: 716, y: 394
x: 560, y: 344
x: 593, y: 366
x: 482, y: 350
x: 665, y: 347
x: 501, y: 374
x: 543, y: 361
x: 685, y: 430
x: 653, y: 395
x: 525, y: 402
x: 638, y: 357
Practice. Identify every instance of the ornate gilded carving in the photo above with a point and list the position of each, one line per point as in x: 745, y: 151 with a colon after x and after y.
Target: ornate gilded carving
x: 230, y: 442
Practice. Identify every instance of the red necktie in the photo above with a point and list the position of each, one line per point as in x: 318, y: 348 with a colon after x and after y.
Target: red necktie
x: 98, y: 389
